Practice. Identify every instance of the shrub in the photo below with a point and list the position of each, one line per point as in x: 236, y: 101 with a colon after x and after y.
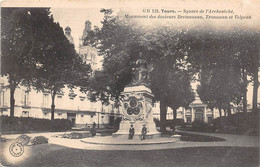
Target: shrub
x: 23, y: 139
x: 199, y: 126
x: 117, y: 123
x: 39, y: 140
x: 239, y: 123
x: 22, y: 124
x: 169, y: 122
x: 157, y: 122
x: 75, y: 135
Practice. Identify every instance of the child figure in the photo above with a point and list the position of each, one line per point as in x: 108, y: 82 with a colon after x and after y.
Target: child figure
x: 131, y: 132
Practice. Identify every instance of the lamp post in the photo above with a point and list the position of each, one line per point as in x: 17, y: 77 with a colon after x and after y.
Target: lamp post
x: 98, y: 120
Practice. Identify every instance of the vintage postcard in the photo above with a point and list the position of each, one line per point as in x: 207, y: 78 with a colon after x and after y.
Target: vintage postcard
x: 130, y: 83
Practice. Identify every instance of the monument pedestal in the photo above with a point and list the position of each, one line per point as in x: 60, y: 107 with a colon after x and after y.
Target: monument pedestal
x: 137, y: 111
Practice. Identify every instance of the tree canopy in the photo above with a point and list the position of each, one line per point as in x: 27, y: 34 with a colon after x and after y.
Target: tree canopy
x: 18, y: 38
x: 36, y: 53
x: 120, y: 41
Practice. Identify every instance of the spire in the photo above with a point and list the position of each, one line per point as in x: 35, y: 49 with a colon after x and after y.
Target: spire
x: 87, y: 29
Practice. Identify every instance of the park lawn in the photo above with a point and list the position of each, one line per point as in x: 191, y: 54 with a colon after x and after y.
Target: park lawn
x: 49, y: 155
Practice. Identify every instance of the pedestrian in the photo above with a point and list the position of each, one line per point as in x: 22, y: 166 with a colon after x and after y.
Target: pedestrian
x: 173, y: 128
x: 94, y: 124
x: 93, y: 130
x: 131, y: 132
x: 144, y: 132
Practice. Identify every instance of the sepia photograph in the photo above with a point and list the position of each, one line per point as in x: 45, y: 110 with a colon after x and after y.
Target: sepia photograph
x: 129, y: 83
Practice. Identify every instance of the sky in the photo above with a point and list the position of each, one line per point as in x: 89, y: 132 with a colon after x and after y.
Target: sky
x: 75, y: 18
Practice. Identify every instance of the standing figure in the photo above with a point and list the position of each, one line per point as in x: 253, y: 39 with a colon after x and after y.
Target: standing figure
x: 173, y: 128
x: 131, y: 132
x: 93, y: 130
x: 144, y: 132
x: 94, y: 125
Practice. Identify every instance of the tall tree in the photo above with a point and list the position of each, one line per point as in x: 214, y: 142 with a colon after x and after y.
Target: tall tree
x: 233, y: 50
x: 246, y: 55
x: 18, y: 46
x: 219, y: 88
x: 59, y: 64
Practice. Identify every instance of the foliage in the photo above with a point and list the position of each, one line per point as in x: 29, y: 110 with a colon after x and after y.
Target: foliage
x: 239, y: 123
x: 120, y: 41
x: 219, y: 87
x: 23, y: 139
x: 39, y: 140
x: 36, y: 53
x: 76, y: 135
x: 58, y: 62
x: 200, y: 126
x: 18, y: 39
x: 117, y: 123
x: 169, y: 123
x: 223, y: 60
x: 22, y: 124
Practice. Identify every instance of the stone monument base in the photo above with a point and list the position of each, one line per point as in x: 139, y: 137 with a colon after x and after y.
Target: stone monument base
x: 137, y: 111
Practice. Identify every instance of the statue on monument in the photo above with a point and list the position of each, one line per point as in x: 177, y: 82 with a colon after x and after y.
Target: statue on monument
x: 137, y: 103
x: 140, y: 71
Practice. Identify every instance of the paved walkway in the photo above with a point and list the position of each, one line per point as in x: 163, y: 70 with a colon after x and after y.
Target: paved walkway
x: 231, y: 140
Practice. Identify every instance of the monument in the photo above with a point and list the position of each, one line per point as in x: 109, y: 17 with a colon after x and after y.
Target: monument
x: 137, y: 104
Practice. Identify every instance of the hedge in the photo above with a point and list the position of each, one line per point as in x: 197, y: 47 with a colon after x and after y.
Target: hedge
x: 169, y: 122
x: 22, y: 124
x: 240, y: 123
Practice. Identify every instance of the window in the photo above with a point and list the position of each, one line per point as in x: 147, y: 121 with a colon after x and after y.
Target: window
x: 81, y: 99
x: 72, y: 95
x: 209, y: 120
x: 188, y: 119
x: 26, y: 98
x: 199, y: 114
x: 59, y: 114
x: 45, y: 100
x: 91, y: 116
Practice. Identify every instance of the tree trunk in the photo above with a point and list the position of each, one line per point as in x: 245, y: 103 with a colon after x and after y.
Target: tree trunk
x: 52, y: 104
x: 255, y: 89
x: 245, y: 82
x: 163, y: 112
x: 12, y: 100
x: 174, y: 114
x: 228, y: 110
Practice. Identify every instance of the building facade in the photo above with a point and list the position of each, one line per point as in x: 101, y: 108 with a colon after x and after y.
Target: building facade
x: 69, y: 104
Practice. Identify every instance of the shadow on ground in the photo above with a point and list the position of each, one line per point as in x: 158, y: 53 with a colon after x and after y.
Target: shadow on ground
x: 193, y: 137
x: 49, y: 155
